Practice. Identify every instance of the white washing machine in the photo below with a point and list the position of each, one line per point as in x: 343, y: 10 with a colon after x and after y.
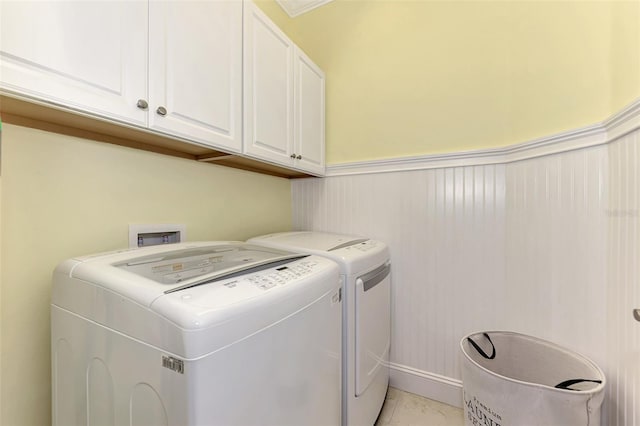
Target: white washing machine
x: 217, y: 333
x: 365, y: 267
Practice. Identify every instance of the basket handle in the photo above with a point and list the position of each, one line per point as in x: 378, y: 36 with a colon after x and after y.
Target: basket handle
x: 479, y: 349
x: 571, y: 382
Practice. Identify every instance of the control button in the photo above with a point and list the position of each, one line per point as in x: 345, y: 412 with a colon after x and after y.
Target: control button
x: 173, y: 278
x: 267, y: 285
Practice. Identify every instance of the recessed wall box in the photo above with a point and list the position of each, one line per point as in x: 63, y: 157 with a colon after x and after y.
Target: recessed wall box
x: 142, y: 235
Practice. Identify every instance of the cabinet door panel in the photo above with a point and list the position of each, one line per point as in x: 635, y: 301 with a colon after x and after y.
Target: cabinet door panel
x: 87, y: 55
x: 268, y: 84
x: 195, y: 70
x: 309, y: 142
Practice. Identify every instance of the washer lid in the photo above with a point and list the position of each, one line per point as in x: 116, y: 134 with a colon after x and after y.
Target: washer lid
x: 243, y: 289
x: 145, y: 274
x: 314, y: 240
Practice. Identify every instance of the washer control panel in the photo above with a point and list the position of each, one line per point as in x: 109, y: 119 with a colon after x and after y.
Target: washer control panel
x: 282, y: 275
x: 275, y: 289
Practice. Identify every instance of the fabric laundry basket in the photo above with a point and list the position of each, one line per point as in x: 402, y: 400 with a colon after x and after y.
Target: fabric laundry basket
x: 511, y: 379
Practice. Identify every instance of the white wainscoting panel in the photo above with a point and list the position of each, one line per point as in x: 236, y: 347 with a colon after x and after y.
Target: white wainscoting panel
x: 548, y: 246
x: 623, y: 282
x: 445, y: 229
x: 556, y: 249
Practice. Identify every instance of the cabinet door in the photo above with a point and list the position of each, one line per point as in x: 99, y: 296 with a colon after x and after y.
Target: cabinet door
x: 195, y: 70
x: 268, y: 82
x: 86, y: 55
x: 309, y: 146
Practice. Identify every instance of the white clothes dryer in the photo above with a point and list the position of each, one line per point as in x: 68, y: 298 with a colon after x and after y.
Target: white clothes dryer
x: 365, y: 267
x: 214, y: 333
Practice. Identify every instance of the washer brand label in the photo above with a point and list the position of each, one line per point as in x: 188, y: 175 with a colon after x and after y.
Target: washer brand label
x: 232, y: 284
x: 172, y: 363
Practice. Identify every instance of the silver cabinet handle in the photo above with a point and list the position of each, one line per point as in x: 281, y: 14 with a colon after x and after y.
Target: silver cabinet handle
x: 161, y: 111
x: 142, y: 104
x: 636, y: 314
x: 299, y: 157
x: 293, y: 156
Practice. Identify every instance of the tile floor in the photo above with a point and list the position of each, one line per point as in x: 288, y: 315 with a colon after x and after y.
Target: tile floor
x: 406, y: 409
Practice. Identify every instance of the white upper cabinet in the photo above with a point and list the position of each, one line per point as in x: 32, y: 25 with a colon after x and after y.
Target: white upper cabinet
x: 283, y: 98
x: 268, y: 88
x: 207, y: 72
x: 172, y: 66
x: 85, y: 55
x: 195, y: 70
x: 309, y: 146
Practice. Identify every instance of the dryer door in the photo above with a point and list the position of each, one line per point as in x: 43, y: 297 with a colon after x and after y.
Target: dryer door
x: 372, y: 326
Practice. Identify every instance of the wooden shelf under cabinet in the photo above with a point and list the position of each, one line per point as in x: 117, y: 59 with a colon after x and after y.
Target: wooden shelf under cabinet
x: 44, y: 116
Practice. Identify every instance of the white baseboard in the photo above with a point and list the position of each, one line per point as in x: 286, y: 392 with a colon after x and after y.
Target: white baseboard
x: 428, y: 385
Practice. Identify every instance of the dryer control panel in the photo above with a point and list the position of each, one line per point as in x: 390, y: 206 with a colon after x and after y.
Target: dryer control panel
x: 364, y: 246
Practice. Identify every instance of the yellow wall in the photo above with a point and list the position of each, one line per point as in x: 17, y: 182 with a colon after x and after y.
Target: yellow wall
x: 420, y: 77
x: 63, y: 196
x: 0, y: 289
x: 1, y: 271
x: 625, y: 53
